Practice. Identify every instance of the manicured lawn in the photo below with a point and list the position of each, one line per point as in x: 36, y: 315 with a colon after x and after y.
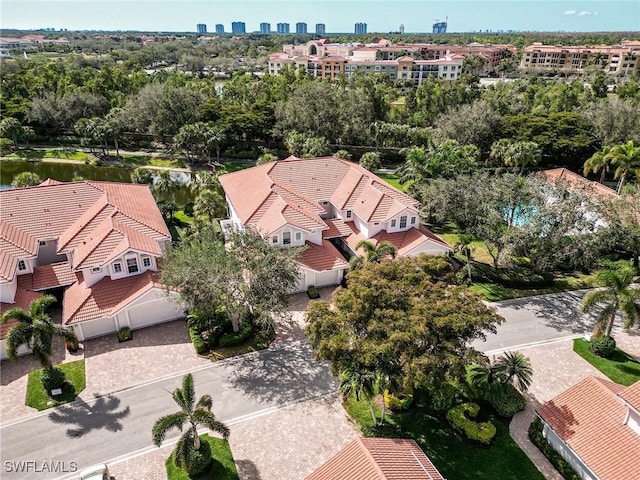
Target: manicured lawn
x: 38, y: 398
x: 222, y: 466
x: 154, y: 161
x: 392, y: 179
x: 68, y: 154
x: 620, y: 368
x: 565, y: 283
x: 454, y: 457
x: 234, y: 166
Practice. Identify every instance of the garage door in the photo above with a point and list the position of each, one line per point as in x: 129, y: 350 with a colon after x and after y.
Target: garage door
x: 327, y: 278
x: 97, y: 328
x: 154, y: 312
x: 22, y: 350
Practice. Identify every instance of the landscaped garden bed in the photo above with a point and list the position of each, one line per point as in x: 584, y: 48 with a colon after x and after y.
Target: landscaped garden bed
x: 621, y: 367
x: 39, y: 398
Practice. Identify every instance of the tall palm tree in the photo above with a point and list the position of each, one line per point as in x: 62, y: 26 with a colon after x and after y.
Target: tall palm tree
x: 192, y: 413
x: 164, y: 184
x: 209, y: 204
x: 514, y: 368
x: 35, y: 330
x: 464, y: 245
x: 626, y: 159
x: 484, y: 379
x: 360, y: 382
x: 599, y: 161
x: 522, y: 154
x: 617, y: 294
x: 373, y: 253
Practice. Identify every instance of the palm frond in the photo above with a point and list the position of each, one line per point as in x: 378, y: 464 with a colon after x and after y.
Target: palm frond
x: 181, y: 457
x: 205, y: 402
x: 209, y: 420
x: 21, y: 334
x: 594, y: 298
x: 40, y: 306
x: 166, y: 423
x: 17, y: 313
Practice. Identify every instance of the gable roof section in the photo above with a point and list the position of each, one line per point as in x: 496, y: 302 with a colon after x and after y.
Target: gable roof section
x: 105, y: 298
x: 409, y: 240
x: 378, y: 459
x: 578, y: 182
x: 14, y: 244
x: 631, y: 396
x: 589, y: 418
x: 322, y: 257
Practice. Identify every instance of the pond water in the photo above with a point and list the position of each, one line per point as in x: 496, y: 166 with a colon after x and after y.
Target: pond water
x: 65, y: 172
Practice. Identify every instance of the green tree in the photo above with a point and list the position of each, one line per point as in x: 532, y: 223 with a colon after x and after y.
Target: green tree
x: 26, y: 179
x: 616, y: 295
x: 11, y: 128
x: 522, y: 154
x: 193, y: 414
x: 266, y: 158
x: 142, y: 176
x: 474, y: 64
x: 209, y: 205
x: 598, y: 162
x: 35, y: 330
x: 371, y: 161
x: 164, y: 184
x: 402, y: 312
x: 515, y: 369
x: 464, y: 245
x: 626, y: 159
x: 342, y: 154
x: 373, y: 253
x: 361, y: 383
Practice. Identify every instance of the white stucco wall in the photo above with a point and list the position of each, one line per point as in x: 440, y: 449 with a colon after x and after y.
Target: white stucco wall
x: 8, y: 291
x: 567, y: 453
x: 22, y: 350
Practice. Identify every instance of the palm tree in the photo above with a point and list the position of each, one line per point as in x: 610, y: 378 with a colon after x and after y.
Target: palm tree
x: 214, y: 139
x: 209, y: 204
x: 164, y: 184
x: 484, y: 379
x: 626, y: 158
x: 599, y: 161
x: 10, y: 127
x: 616, y: 295
x: 522, y: 154
x: 35, y: 330
x: 374, y: 253
x: 361, y: 383
x: 464, y: 245
x: 514, y: 368
x: 193, y: 413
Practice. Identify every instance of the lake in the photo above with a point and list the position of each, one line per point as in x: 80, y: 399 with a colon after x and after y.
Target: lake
x: 65, y: 172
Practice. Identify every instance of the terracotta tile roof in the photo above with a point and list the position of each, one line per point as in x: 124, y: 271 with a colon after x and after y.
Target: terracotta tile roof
x: 322, y: 257
x: 631, y: 396
x: 105, y: 298
x: 405, y: 242
x: 72, y: 212
x: 589, y: 418
x: 24, y: 296
x: 337, y: 228
x: 578, y: 182
x: 52, y: 276
x: 378, y: 459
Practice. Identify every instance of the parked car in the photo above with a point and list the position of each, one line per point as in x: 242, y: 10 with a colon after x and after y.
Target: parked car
x: 96, y: 472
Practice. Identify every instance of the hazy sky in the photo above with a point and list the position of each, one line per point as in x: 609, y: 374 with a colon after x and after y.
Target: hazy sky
x: 339, y: 16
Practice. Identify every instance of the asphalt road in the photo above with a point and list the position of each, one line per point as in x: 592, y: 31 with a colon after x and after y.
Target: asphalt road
x: 538, y: 319
x: 114, y: 425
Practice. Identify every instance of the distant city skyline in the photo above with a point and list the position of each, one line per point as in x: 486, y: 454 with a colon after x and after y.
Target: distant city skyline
x: 338, y: 16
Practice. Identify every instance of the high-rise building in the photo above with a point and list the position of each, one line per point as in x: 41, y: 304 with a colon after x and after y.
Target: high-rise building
x: 238, y: 27
x: 265, y: 27
x: 320, y: 28
x: 401, y: 29
x: 361, y: 27
x: 283, y: 28
x: 219, y: 28
x: 301, y: 27
x: 202, y: 28
x: 440, y: 27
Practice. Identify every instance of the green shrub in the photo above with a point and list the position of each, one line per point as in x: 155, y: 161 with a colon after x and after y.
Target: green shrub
x: 236, y: 338
x: 398, y: 402
x: 313, y: 292
x: 561, y: 465
x: 461, y: 420
x: 199, y: 459
x: 198, y: 343
x: 603, y: 346
x: 509, y: 403
x: 52, y: 378
x: 6, y: 146
x: 445, y: 398
x: 514, y: 277
x: 124, y: 334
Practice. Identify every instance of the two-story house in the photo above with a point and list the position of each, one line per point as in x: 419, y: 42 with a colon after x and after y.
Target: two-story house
x: 328, y: 205
x: 96, y: 243
x: 595, y: 426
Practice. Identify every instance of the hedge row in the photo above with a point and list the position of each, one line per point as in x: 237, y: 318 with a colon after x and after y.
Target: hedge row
x: 535, y: 434
x: 198, y: 343
x: 461, y: 419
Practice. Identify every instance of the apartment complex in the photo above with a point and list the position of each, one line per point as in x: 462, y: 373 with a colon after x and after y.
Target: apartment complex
x: 320, y: 29
x: 201, y: 28
x: 408, y: 61
x: 219, y: 28
x: 265, y: 27
x: 301, y: 28
x: 238, y: 27
x: 360, y: 28
x: 621, y: 59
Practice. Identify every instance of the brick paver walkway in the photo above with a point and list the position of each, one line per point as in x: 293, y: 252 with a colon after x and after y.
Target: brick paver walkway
x: 286, y: 444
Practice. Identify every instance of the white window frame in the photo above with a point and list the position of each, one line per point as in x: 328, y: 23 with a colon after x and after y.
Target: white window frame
x: 348, y: 214
x: 117, y: 267
x: 393, y: 223
x: 403, y: 221
x: 146, y: 258
x: 274, y: 239
x: 129, y: 266
x: 298, y: 236
x: 96, y: 269
x: 413, y: 220
x: 286, y: 238
x: 22, y: 265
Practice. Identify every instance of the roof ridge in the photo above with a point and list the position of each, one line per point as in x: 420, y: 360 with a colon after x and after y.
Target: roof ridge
x: 264, y: 200
x: 368, y: 454
x: 293, y: 191
x: 98, y: 240
x: 6, y: 239
x: 303, y: 212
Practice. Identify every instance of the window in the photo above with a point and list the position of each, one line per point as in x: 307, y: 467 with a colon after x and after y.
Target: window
x: 146, y: 261
x: 117, y: 267
x: 274, y: 239
x: 403, y: 221
x: 42, y: 243
x: 96, y: 270
x: 132, y: 265
x: 21, y: 265
x: 413, y: 220
x: 393, y: 223
x: 298, y: 236
x: 286, y: 238
x: 348, y: 213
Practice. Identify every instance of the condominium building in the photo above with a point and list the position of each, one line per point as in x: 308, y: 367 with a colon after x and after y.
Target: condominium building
x: 360, y: 28
x: 301, y: 27
x: 201, y: 28
x: 265, y: 27
x: 440, y: 27
x: 238, y: 27
x: 219, y: 28
x: 320, y: 28
x: 283, y: 28
x: 622, y: 59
